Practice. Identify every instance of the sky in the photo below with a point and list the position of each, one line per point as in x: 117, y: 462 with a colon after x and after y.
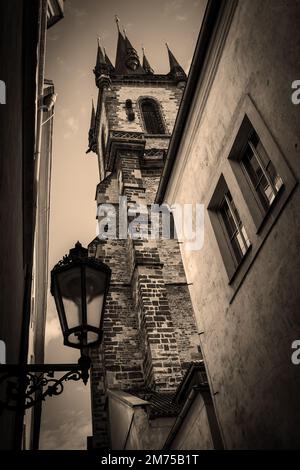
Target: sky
x: 71, y: 56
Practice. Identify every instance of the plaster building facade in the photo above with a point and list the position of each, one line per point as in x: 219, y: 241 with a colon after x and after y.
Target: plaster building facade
x: 150, y: 359
x: 36, y: 342
x: 235, y: 149
x: 23, y: 32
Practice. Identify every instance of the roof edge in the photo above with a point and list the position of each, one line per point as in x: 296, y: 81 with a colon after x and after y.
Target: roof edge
x: 212, y: 14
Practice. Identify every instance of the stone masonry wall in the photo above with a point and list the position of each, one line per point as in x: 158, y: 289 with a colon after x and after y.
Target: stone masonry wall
x: 149, y: 330
x: 168, y: 97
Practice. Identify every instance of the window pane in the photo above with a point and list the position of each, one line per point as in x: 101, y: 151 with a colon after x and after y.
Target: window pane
x: 277, y: 181
x: 262, y: 154
x: 70, y: 287
x: 234, y: 210
x: 252, y: 166
x: 237, y: 248
x: 261, y: 172
x: 240, y: 240
x: 228, y: 220
x: 265, y: 193
x: 243, y: 231
x: 95, y: 290
x: 236, y: 232
x: 152, y: 118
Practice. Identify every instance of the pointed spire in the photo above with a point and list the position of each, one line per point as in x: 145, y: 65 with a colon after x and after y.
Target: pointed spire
x: 127, y: 59
x: 146, y: 66
x: 102, y: 68
x: 92, y: 141
x: 100, y: 57
x: 117, y: 20
x: 128, y: 44
x: 93, y: 116
x: 107, y: 60
x: 175, y: 69
x: 121, y: 51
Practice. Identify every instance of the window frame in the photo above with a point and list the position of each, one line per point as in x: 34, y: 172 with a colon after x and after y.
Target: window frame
x: 258, y: 226
x: 231, y: 262
x: 250, y: 120
x: 232, y: 238
x: 264, y: 169
x: 159, y: 114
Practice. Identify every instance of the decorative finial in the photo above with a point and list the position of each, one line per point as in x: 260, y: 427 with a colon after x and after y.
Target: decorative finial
x: 167, y: 44
x: 78, y: 251
x: 99, y: 40
x: 117, y: 19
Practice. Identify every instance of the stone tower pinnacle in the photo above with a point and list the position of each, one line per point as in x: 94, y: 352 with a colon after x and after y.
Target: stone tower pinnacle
x: 127, y: 59
x: 92, y: 131
x: 176, y: 70
x: 146, y: 66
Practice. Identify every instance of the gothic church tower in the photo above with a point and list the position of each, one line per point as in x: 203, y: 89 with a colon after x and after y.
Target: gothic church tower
x: 150, y: 338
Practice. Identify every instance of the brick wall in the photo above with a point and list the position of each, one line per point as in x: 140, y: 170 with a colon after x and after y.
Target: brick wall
x: 149, y: 330
x: 168, y: 97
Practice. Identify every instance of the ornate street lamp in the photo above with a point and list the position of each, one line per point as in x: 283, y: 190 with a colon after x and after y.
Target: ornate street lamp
x: 79, y: 285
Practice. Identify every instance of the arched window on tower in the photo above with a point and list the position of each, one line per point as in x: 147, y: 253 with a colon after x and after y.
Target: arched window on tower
x: 152, y: 117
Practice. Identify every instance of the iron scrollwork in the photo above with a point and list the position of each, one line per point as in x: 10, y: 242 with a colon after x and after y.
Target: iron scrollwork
x: 25, y: 386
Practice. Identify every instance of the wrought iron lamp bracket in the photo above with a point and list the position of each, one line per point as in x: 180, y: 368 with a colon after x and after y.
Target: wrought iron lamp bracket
x: 24, y: 386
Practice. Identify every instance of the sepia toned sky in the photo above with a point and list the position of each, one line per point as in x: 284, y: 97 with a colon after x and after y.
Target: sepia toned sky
x: 71, y: 55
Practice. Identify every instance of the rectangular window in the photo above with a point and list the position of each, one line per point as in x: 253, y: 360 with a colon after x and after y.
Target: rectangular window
x: 229, y: 229
x: 235, y: 230
x: 261, y: 183
x: 260, y: 171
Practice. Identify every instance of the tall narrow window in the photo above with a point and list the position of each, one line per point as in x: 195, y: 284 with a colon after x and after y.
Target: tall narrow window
x: 235, y: 230
x: 229, y: 229
x: 152, y: 117
x: 260, y: 171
